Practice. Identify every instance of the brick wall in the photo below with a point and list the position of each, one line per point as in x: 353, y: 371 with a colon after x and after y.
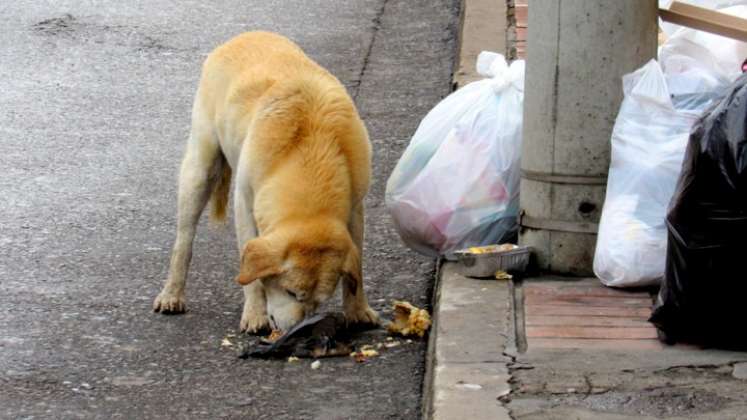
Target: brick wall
x: 516, y: 30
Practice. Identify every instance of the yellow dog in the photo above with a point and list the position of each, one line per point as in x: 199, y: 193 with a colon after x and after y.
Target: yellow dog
x: 302, y: 159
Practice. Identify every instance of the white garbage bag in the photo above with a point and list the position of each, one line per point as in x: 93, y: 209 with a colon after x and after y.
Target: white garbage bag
x: 670, y: 28
x: 457, y: 183
x: 648, y: 145
x: 694, y: 49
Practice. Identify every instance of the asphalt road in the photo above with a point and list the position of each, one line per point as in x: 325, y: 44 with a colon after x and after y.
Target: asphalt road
x: 95, y: 99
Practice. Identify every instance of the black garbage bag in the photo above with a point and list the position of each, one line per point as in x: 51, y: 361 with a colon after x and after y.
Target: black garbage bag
x: 703, y: 299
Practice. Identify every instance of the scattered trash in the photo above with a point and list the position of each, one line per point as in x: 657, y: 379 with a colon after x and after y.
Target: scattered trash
x: 484, y: 262
x: 327, y: 335
x: 318, y: 336
x: 473, y: 136
x: 702, y: 297
x: 648, y: 145
x: 316, y: 364
x: 226, y: 343
x: 409, y: 320
x: 662, y: 101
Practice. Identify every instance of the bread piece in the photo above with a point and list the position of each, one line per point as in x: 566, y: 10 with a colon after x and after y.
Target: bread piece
x: 409, y: 320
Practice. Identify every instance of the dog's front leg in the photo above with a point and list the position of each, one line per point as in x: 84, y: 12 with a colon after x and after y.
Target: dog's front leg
x: 354, y: 302
x: 254, y: 316
x: 199, y: 172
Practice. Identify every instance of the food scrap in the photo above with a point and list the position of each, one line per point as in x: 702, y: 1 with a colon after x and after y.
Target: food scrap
x: 502, y: 275
x: 293, y: 359
x: 409, y: 320
x: 338, y: 349
x: 491, y: 248
x: 226, y: 343
x: 391, y: 344
x: 366, y: 352
x: 274, y: 336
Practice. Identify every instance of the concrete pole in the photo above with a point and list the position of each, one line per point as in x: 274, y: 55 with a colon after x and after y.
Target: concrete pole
x: 577, y: 52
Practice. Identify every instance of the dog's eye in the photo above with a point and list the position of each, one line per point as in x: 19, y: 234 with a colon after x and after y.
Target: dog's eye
x: 291, y: 294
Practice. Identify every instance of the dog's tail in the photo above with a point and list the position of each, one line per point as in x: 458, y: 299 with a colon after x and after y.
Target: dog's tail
x: 219, y: 196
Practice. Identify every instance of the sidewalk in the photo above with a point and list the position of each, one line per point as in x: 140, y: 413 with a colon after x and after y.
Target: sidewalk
x: 559, y: 348
x: 552, y: 348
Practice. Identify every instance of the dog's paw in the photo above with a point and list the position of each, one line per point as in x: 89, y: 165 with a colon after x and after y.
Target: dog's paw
x: 169, y: 303
x: 254, y: 323
x: 362, y: 316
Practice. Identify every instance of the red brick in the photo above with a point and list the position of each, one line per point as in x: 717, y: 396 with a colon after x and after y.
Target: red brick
x: 521, y: 34
x: 586, y: 321
x: 642, y: 313
x: 569, y: 331
x: 583, y: 300
x: 586, y: 314
x: 521, y: 14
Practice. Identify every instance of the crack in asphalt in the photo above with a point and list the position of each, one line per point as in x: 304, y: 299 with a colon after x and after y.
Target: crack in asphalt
x: 369, y: 50
x: 705, y: 366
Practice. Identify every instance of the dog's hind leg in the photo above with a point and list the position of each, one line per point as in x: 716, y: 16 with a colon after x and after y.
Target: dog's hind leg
x: 200, y: 169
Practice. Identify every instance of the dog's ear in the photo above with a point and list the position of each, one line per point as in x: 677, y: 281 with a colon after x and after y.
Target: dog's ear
x: 352, y: 270
x: 259, y: 259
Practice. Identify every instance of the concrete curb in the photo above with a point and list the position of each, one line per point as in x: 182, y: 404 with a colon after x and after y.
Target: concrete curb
x: 467, y: 369
x: 430, y: 356
x: 466, y: 364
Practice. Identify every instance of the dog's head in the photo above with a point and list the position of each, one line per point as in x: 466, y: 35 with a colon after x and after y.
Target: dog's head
x: 299, y: 268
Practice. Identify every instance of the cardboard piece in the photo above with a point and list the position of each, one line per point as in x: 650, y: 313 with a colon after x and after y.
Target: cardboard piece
x: 705, y: 20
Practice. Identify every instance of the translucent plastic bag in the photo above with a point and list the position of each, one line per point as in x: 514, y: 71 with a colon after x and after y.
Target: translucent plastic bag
x: 670, y: 28
x: 457, y: 183
x: 648, y: 145
x: 688, y: 48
